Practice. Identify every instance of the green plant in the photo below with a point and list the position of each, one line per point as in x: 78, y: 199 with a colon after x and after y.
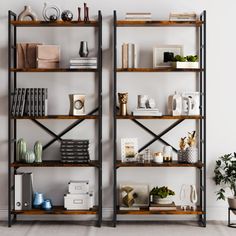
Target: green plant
x: 225, y: 174
x: 162, y: 192
x: 189, y: 58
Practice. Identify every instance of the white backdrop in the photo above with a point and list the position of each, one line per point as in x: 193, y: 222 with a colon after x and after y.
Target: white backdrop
x: 220, y: 93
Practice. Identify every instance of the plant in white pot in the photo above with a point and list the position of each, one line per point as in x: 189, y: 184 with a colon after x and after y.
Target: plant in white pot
x: 225, y: 177
x: 162, y: 195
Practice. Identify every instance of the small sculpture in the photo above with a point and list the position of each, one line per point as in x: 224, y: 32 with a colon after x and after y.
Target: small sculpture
x: 193, y: 197
x: 83, y: 51
x: 79, y: 14
x: 20, y: 150
x: 38, y: 149
x: 123, y: 99
x: 128, y: 198
x: 67, y: 15
x: 27, y: 12
x: 86, y: 13
x: 182, y: 152
x: 53, y: 16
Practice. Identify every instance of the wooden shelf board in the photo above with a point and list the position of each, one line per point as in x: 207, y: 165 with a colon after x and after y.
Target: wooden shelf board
x: 159, y: 69
x: 55, y: 164
x: 58, y: 117
x: 57, y: 210
x: 54, y: 24
x: 145, y: 211
x: 51, y: 70
x: 153, y: 23
x: 164, y: 164
x: 164, y: 117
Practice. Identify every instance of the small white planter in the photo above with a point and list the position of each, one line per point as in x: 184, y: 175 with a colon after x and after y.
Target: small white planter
x: 185, y: 65
x: 232, y: 203
x: 167, y: 200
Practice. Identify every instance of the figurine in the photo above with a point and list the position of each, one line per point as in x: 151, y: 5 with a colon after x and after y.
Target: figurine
x: 86, y: 13
x: 123, y: 99
x: 79, y: 14
x: 27, y: 12
x: 50, y: 7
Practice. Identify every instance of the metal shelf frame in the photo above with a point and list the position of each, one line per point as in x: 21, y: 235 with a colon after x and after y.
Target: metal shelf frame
x: 12, y: 122
x: 201, y: 123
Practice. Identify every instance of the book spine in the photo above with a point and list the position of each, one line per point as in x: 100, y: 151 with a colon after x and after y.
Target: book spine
x: 17, y: 112
x: 36, y: 102
x: 74, y: 149
x: 125, y: 55
x: 14, y: 100
x: 130, y: 55
x: 135, y: 56
x: 46, y: 102
x: 39, y: 102
x: 22, y: 105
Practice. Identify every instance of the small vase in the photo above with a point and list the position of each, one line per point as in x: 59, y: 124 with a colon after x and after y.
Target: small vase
x: 83, y: 51
x: 38, y: 200
x: 20, y: 150
x: 27, y: 12
x: 191, y: 155
x: 47, y: 205
x: 38, y: 150
x: 181, y: 156
x: 123, y: 99
x: 29, y: 157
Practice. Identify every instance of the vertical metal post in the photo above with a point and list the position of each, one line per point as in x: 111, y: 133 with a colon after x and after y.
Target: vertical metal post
x: 205, y: 118
x: 114, y: 121
x: 100, y: 118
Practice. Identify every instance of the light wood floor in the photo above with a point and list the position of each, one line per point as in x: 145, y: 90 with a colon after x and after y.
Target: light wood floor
x: 214, y: 228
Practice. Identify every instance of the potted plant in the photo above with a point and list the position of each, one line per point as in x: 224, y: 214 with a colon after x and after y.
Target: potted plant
x: 225, y: 177
x: 186, y: 62
x: 162, y: 195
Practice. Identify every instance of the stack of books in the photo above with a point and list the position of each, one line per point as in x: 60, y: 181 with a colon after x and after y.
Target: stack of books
x: 30, y: 102
x: 74, y: 151
x: 129, y: 55
x: 83, y: 63
x: 147, y: 112
x: 162, y: 207
x: 136, y: 16
x: 184, y: 16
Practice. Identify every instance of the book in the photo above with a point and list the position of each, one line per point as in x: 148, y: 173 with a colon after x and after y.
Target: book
x: 162, y: 207
x: 83, y: 60
x: 39, y: 102
x: 18, y: 100
x: 122, y: 208
x: 14, y: 101
x: 75, y: 141
x: 26, y: 107
x: 22, y: 102
x: 138, y: 15
x: 36, y: 102
x: 75, y: 160
x: 130, y: 56
x: 183, y: 16
x: 45, y: 101
x: 124, y: 55
x: 31, y: 102
x: 74, y: 149
x: 147, y: 112
x: 83, y: 67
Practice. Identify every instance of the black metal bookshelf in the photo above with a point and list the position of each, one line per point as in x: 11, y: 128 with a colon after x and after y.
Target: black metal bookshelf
x: 200, y: 26
x: 95, y: 114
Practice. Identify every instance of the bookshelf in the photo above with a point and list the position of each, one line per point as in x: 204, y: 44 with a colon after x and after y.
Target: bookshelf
x: 95, y: 114
x: 200, y: 212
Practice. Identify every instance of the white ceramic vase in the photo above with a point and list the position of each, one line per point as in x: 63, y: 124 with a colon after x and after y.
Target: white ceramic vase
x: 191, y: 155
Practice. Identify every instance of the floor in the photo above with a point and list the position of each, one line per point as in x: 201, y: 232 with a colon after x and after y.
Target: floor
x: 213, y: 228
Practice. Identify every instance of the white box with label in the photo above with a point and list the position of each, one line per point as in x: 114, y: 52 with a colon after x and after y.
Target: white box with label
x: 78, y: 187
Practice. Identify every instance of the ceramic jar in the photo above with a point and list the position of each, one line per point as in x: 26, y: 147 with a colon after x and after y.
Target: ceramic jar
x: 38, y: 200
x: 47, y: 205
x: 191, y: 155
x: 29, y: 157
x: 20, y: 150
x: 38, y: 151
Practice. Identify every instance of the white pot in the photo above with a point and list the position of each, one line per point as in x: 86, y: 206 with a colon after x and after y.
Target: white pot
x: 232, y: 203
x: 167, y: 200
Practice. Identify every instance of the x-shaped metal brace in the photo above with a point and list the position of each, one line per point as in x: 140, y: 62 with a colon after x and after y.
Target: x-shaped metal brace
x: 157, y: 136
x: 57, y: 137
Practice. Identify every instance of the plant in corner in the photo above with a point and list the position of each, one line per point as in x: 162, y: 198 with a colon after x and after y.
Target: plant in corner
x: 162, y: 195
x: 225, y: 177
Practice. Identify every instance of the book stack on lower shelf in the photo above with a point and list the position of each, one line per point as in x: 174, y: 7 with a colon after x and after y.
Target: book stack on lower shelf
x: 138, y: 16
x: 30, y: 102
x: 147, y: 112
x: 83, y: 63
x: 74, y: 151
x: 162, y: 207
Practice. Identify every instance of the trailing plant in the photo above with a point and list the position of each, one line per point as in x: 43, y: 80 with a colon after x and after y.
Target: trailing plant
x: 162, y: 192
x: 225, y: 174
x: 189, y: 58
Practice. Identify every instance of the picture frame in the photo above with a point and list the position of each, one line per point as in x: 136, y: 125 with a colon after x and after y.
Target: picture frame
x: 129, y: 149
x: 162, y: 55
x: 139, y: 191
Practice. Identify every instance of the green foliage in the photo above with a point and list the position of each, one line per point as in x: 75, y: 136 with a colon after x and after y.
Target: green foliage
x: 162, y: 192
x: 225, y: 174
x: 189, y: 58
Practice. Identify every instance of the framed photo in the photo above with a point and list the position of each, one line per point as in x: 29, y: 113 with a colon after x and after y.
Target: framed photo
x: 134, y: 195
x: 129, y: 149
x: 163, y: 55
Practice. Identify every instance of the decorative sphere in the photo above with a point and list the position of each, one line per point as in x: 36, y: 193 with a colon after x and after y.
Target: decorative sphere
x: 67, y: 15
x: 53, y: 18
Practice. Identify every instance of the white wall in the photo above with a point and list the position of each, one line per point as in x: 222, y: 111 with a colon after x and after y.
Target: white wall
x: 220, y: 92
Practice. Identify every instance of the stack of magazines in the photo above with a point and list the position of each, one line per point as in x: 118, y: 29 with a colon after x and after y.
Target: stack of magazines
x: 74, y: 151
x: 136, y: 16
x: 30, y: 102
x: 83, y: 63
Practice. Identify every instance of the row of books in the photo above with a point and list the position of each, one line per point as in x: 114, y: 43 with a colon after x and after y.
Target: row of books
x: 74, y: 151
x: 83, y: 63
x: 135, y: 16
x: 30, y: 102
x: 129, y: 55
x: 153, y: 207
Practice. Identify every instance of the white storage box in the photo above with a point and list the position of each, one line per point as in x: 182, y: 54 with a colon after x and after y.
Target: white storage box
x: 185, y: 65
x: 79, y: 201
x: 78, y: 187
